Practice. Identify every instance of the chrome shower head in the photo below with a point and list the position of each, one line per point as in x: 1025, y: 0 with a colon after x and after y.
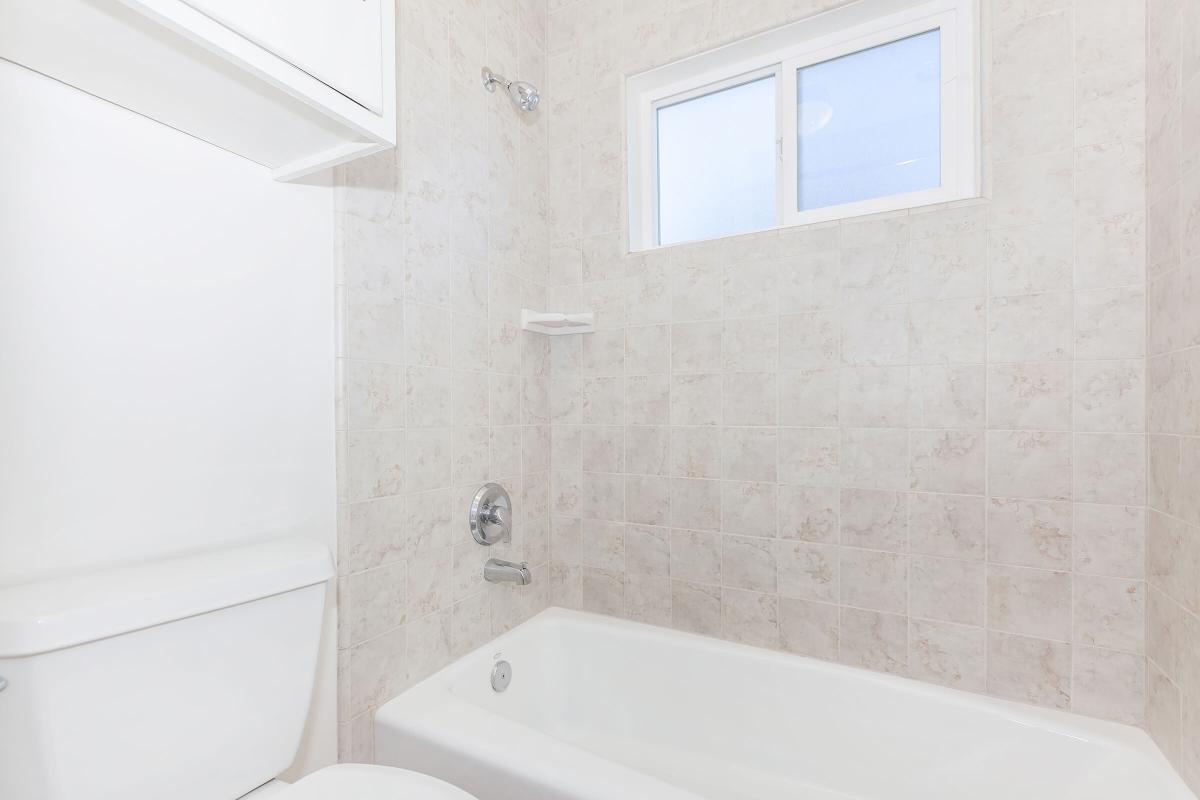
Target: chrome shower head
x: 523, y: 95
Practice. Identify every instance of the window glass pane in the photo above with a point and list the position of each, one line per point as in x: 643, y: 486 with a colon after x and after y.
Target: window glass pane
x: 869, y: 123
x: 717, y: 163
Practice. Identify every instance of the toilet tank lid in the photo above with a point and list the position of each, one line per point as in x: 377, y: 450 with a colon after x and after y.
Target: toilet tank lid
x: 54, y: 613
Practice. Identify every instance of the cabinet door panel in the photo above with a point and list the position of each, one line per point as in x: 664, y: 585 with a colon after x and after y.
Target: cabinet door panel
x: 338, y: 42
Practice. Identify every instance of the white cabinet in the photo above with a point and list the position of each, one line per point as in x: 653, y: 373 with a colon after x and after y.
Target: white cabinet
x: 294, y: 85
x: 338, y: 42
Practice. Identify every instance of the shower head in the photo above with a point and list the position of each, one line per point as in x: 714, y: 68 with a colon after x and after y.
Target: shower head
x: 523, y: 95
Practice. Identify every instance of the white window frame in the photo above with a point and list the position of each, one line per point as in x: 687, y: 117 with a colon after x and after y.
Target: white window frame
x: 782, y: 52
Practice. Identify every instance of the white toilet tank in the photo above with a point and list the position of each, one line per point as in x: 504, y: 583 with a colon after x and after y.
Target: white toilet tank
x: 181, y: 679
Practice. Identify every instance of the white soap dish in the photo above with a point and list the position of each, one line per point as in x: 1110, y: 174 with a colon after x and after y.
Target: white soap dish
x: 554, y: 324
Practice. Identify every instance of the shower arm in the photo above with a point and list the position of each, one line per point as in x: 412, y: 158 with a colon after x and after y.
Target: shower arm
x: 490, y: 79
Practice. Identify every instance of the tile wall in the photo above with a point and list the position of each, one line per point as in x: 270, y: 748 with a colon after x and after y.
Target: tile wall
x: 1173, y: 272
x: 914, y: 443
x: 441, y: 243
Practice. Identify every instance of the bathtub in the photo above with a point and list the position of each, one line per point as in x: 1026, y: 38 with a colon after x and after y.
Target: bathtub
x: 604, y: 709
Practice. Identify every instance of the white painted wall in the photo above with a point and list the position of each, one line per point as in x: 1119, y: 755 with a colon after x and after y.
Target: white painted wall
x: 166, y: 346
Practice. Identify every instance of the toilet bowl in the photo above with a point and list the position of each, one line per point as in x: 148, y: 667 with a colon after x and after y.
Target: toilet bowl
x: 367, y: 782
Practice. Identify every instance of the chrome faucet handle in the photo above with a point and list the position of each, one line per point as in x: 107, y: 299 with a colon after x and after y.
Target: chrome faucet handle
x: 491, y: 515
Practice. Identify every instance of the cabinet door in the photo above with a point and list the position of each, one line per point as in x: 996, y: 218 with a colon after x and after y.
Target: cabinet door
x: 338, y: 42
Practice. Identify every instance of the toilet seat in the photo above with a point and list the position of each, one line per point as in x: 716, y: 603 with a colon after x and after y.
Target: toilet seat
x: 369, y: 782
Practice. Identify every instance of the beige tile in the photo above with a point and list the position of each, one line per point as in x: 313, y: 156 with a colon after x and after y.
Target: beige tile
x: 1109, y: 684
x: 1030, y: 533
x: 807, y: 571
x: 647, y: 499
x: 696, y: 556
x: 809, y: 456
x: 1030, y: 259
x: 1032, y: 190
x: 566, y: 587
x: 1110, y: 396
x: 371, y: 534
x: 603, y: 401
x: 602, y: 591
x: 947, y: 525
x: 951, y: 462
x: 375, y: 463
x: 810, y: 514
x: 1189, y: 735
x: 875, y: 520
x: 1110, y: 540
x: 947, y: 590
x: 602, y: 496
x: 950, y: 655
x: 809, y: 340
x: 647, y: 449
x: 647, y: 550
x: 1030, y: 602
x: 696, y: 607
x: 647, y: 400
x: 374, y: 602
x: 874, y: 580
x: 603, y: 354
x: 696, y: 347
x: 1110, y: 468
x: 942, y: 267
x: 875, y: 274
x: 873, y: 397
x: 750, y: 617
x: 808, y: 628
x: 1110, y: 613
x: 750, y: 344
x: 1034, y: 327
x: 1110, y: 323
x: 749, y: 454
x: 648, y: 599
x: 948, y: 332
x: 750, y: 290
x: 873, y: 458
x: 603, y: 545
x: 748, y: 562
x: 374, y: 396
x: 871, y: 335
x: 873, y: 640
x: 696, y: 452
x: 377, y: 671
x: 1029, y: 396
x: 696, y: 399
x: 947, y: 397
x: 1029, y: 464
x: 808, y: 398
x: 603, y: 448
x: 648, y: 349
x: 1163, y: 712
x: 750, y: 398
x: 1029, y: 670
x: 749, y: 508
x: 428, y: 645
x: 808, y: 282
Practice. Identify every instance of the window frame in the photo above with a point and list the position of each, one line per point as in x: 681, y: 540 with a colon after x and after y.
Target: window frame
x: 782, y: 52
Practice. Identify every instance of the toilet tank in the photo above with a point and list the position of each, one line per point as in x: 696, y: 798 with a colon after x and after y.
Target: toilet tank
x: 180, y: 679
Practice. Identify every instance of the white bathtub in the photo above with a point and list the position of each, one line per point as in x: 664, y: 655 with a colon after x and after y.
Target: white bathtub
x: 602, y: 709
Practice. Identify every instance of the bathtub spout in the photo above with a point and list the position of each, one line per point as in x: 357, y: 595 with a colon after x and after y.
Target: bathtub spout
x: 497, y: 571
